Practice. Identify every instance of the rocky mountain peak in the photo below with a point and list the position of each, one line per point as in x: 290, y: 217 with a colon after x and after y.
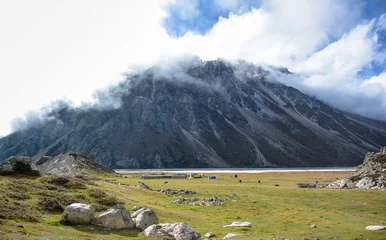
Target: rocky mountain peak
x: 203, y: 114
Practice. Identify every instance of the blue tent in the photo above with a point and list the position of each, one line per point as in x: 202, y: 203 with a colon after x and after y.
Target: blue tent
x: 212, y: 177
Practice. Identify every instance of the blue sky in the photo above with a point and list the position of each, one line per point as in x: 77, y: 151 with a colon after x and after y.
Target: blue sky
x: 205, y: 14
x: 70, y: 49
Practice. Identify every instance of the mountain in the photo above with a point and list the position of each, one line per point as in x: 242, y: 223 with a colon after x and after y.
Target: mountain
x: 203, y: 114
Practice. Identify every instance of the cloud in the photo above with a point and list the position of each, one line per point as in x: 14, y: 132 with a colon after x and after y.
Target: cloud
x: 54, y: 49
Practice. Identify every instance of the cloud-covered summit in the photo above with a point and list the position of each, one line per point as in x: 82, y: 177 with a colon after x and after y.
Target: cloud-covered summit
x: 71, y: 49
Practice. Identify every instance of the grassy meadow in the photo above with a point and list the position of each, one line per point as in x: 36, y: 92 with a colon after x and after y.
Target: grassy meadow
x: 283, y: 212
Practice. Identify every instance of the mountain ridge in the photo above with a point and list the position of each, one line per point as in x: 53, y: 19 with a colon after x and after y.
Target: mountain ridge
x: 204, y: 114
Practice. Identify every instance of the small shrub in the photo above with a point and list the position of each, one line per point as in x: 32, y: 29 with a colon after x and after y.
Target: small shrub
x: 109, y: 201
x: 15, y: 210
x: 96, y: 193
x: 57, y: 182
x: 49, y: 204
x: 18, y: 195
x: 67, y: 199
x: 21, y: 167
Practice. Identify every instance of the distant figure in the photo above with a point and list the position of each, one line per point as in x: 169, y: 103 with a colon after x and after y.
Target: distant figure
x: 235, y: 175
x: 258, y: 181
x: 240, y: 181
x: 165, y: 182
x: 276, y: 185
x: 316, y: 182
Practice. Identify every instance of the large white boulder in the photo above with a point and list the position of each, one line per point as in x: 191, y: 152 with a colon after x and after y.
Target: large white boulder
x: 144, y: 217
x: 177, y: 231
x: 78, y: 213
x: 115, y: 218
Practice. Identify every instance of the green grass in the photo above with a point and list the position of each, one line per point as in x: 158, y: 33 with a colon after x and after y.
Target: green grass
x: 284, y: 211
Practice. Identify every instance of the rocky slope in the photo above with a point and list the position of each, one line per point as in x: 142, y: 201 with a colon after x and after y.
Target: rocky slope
x: 203, y: 114
x: 370, y: 175
x: 69, y: 164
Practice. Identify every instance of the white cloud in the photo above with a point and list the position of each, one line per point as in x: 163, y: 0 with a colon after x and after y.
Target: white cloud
x: 51, y: 49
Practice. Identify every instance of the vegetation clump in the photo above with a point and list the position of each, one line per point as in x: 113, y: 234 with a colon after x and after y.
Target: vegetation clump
x: 103, y: 198
x: 15, y: 210
x: 66, y: 182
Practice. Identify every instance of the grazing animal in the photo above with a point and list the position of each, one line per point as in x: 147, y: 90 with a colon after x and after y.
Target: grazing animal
x: 276, y: 185
x: 240, y: 180
x: 259, y: 181
x: 165, y: 182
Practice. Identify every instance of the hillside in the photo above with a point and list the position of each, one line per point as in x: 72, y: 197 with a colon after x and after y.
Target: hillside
x: 203, y: 114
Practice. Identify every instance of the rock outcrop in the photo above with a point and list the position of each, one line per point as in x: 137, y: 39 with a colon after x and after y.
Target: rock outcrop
x: 78, y: 213
x: 370, y: 175
x: 71, y: 164
x: 115, y: 218
x: 19, y: 165
x: 177, y: 231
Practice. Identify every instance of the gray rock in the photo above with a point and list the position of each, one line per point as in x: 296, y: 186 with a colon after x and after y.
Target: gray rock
x: 365, y: 183
x: 115, y: 218
x: 209, y: 234
x: 313, y: 226
x: 144, y: 218
x: 177, y: 231
x: 338, y: 184
x: 238, y: 224
x: 70, y: 164
x: 19, y: 165
x: 135, y: 208
x: 376, y: 227
x: 230, y: 235
x: 78, y: 213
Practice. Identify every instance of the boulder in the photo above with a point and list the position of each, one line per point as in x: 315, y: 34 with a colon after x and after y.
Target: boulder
x: 135, y: 208
x: 19, y: 165
x: 78, y: 213
x: 238, y: 224
x: 144, y: 217
x: 338, y: 184
x: 230, y: 235
x: 115, y: 218
x: 177, y: 231
x: 365, y: 183
x: 210, y: 235
x: 375, y: 227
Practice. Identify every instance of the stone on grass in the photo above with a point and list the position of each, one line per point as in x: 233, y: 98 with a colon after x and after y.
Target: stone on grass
x: 230, y: 235
x: 135, y: 208
x: 177, y: 231
x: 313, y: 226
x: 209, y: 235
x: 376, y: 227
x: 144, y: 217
x: 238, y: 224
x: 78, y: 213
x: 115, y: 218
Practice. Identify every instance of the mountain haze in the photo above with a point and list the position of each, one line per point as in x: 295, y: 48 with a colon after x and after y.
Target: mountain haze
x: 203, y: 114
